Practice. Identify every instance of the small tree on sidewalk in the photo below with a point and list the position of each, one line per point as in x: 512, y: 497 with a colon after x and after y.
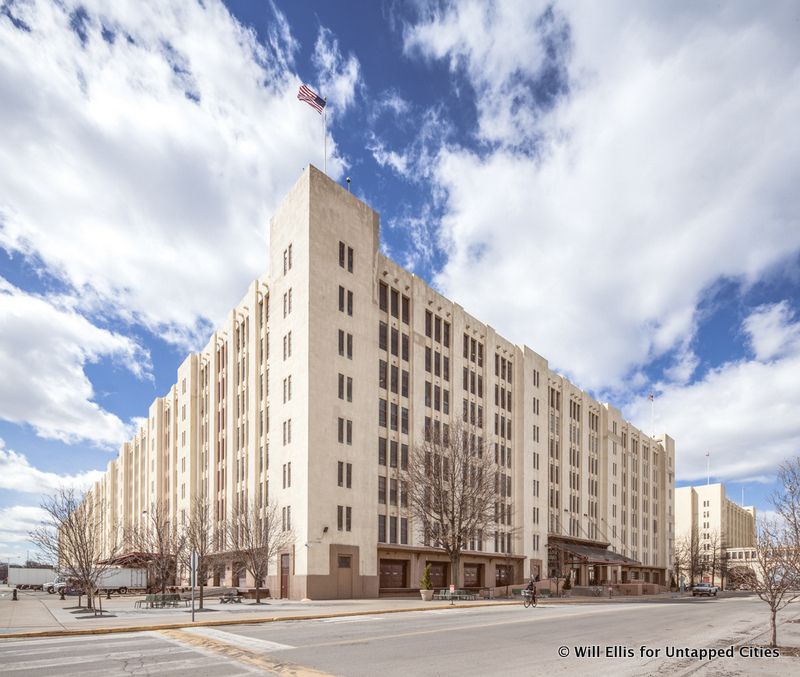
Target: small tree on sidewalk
x: 158, y: 542
x: 453, y: 486
x: 198, y: 537
x: 72, y: 534
x: 256, y: 534
x: 776, y: 566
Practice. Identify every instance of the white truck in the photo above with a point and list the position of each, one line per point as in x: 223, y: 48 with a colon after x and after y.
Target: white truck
x: 115, y: 579
x: 29, y: 577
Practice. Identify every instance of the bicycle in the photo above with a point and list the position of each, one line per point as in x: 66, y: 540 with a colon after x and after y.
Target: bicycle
x: 529, y: 598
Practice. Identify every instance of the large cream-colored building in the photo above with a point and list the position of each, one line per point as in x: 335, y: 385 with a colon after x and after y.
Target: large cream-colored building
x: 323, y: 377
x: 707, y: 513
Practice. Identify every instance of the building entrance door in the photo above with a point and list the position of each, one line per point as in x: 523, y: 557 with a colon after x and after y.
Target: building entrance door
x: 393, y: 573
x: 284, y: 576
x: 438, y: 574
x: 344, y: 580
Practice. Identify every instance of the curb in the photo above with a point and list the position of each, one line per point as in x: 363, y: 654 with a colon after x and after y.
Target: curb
x: 234, y: 621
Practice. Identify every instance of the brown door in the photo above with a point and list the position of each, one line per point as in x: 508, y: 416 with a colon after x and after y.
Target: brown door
x: 284, y: 576
x: 472, y: 575
x: 393, y: 573
x: 439, y: 574
x: 344, y: 576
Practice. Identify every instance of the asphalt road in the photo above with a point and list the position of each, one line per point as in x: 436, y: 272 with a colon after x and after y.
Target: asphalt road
x: 506, y: 641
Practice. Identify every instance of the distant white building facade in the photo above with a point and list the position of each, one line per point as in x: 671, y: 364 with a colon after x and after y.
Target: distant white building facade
x: 323, y: 377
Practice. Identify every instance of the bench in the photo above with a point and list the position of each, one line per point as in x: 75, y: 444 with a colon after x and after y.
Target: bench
x: 232, y: 596
x: 455, y: 595
x: 158, y: 601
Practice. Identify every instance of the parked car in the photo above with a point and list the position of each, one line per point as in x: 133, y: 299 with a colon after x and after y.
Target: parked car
x: 706, y: 589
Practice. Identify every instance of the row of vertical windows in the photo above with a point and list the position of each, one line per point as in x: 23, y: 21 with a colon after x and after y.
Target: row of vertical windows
x: 437, y: 364
x: 345, y: 344
x: 393, y: 530
x: 287, y: 475
x: 393, y: 448
x: 473, y: 350
x: 473, y: 414
x: 286, y: 518
x: 393, y: 410
x: 346, y: 257
x: 287, y: 345
x: 392, y: 302
x: 345, y: 431
x: 398, y: 492
x: 472, y: 382
x: 287, y: 259
x: 345, y: 474
x: 437, y: 398
x: 344, y: 517
x: 437, y: 329
x: 502, y: 368
x: 502, y: 397
x: 392, y: 378
x: 287, y: 303
x: 398, y: 344
x: 345, y: 387
x: 345, y: 301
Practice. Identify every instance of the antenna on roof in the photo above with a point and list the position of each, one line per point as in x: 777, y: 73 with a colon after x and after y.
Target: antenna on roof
x: 348, y: 184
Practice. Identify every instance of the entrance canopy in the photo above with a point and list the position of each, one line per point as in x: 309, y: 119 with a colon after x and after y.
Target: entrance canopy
x: 596, y: 555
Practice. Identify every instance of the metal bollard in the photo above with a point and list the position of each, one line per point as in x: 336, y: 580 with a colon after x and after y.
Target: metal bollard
x: 14, y: 596
x: 61, y: 593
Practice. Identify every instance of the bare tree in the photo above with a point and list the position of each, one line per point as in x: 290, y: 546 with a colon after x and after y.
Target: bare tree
x: 453, y: 487
x: 776, y: 566
x: 158, y: 543
x: 712, y: 553
x: 687, y: 557
x: 257, y: 536
x: 72, y: 534
x: 787, y: 498
x: 198, y: 536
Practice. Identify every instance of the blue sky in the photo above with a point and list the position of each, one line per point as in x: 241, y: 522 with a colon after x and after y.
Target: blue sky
x: 614, y: 186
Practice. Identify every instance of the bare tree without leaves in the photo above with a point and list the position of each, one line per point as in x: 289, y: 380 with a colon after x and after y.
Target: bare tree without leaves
x: 257, y: 536
x: 71, y: 534
x: 787, y: 498
x: 687, y: 557
x: 452, y: 489
x: 776, y: 566
x: 198, y: 536
x: 158, y: 542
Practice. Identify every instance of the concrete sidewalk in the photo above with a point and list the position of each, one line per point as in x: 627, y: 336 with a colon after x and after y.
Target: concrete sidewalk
x: 38, y: 612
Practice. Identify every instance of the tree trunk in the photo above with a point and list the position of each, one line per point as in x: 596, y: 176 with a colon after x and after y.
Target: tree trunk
x: 258, y: 592
x: 774, y: 628
x: 201, y: 595
x: 454, y: 561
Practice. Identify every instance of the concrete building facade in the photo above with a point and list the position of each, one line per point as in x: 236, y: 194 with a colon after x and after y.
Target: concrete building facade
x: 325, y: 375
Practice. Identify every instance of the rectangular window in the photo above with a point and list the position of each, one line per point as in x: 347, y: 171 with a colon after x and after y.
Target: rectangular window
x: 395, y: 342
x: 404, y: 384
x: 349, y: 475
x: 350, y: 257
x: 349, y: 389
x: 383, y: 297
x: 340, y: 474
x: 341, y: 431
x: 404, y: 353
x: 446, y: 368
x: 381, y: 528
x: 382, y: 373
x: 341, y: 386
x: 428, y: 324
x: 381, y: 451
x: 339, y: 517
x: 349, y: 346
x: 406, y: 309
x: 383, y: 411
x: 395, y: 373
x: 395, y: 305
x: 446, y: 334
x: 383, y: 336
x: 428, y: 359
x: 393, y: 416
x: 393, y: 529
x: 404, y: 457
x: 437, y: 330
x: 381, y: 489
x: 341, y: 343
x: 342, y: 297
x: 403, y: 531
x: 341, y: 254
x: 348, y: 519
x: 350, y: 303
x: 393, y: 454
x: 392, y: 492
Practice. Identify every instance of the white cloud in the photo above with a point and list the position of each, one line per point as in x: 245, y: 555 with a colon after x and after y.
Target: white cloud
x: 152, y: 158
x: 338, y: 76
x: 43, y: 352
x: 629, y: 158
x: 772, y: 331
x: 17, y: 474
x: 743, y: 412
x: 16, y: 523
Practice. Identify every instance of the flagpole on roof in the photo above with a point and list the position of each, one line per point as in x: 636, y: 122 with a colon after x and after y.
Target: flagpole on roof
x: 325, y: 139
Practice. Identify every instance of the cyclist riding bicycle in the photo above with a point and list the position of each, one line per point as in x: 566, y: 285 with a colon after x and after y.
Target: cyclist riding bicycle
x: 530, y: 591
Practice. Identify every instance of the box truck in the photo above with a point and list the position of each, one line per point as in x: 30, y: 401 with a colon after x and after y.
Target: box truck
x: 115, y: 579
x: 29, y: 577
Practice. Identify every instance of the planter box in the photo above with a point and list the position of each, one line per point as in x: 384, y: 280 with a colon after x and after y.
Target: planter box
x: 427, y: 595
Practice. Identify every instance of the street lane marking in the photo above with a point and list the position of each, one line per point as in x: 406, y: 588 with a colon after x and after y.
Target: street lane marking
x: 87, y: 658
x: 244, y: 656
x: 239, y: 640
x: 349, y: 619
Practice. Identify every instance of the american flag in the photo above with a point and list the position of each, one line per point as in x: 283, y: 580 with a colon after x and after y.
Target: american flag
x: 650, y: 397
x: 311, y: 98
